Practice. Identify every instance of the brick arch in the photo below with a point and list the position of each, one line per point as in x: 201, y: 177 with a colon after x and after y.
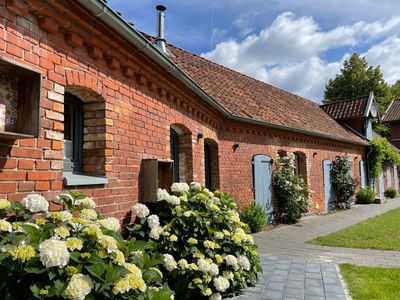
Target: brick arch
x: 85, y: 83
x: 184, y: 152
x: 94, y: 126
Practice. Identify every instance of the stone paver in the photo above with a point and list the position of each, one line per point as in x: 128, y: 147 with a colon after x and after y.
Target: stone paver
x: 295, y: 270
x: 290, y: 240
x: 285, y: 278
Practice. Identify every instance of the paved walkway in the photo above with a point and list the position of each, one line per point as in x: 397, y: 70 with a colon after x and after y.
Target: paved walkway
x: 288, y: 279
x: 295, y: 270
x: 290, y: 240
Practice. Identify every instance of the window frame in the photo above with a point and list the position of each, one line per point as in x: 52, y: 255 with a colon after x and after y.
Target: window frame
x: 76, y: 163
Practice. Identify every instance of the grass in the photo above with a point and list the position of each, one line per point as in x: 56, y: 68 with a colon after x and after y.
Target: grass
x: 380, y: 232
x: 366, y: 283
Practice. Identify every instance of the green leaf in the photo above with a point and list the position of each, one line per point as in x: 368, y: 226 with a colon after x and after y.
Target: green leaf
x: 115, y: 272
x: 163, y: 293
x: 35, y: 270
x: 152, y: 276
x: 97, y: 270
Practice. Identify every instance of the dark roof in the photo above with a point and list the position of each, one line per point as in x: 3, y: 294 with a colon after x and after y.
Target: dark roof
x: 249, y: 98
x: 392, y: 113
x: 347, y: 109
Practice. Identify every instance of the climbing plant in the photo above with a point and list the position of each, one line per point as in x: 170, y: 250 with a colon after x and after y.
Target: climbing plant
x: 342, y: 182
x: 382, y: 153
x: 292, y: 193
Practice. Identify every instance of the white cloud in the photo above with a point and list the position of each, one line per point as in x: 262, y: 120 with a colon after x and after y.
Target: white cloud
x: 288, y: 53
x: 387, y: 55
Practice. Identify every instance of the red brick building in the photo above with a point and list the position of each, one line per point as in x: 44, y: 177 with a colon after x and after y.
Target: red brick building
x: 89, y: 103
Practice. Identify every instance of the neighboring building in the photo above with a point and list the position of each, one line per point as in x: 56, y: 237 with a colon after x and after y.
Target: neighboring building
x: 89, y: 103
x: 391, y: 117
x: 356, y: 113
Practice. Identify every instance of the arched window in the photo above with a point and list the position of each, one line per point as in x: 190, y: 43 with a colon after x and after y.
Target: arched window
x: 211, y: 164
x: 300, y: 164
x: 73, y: 133
x: 181, y: 153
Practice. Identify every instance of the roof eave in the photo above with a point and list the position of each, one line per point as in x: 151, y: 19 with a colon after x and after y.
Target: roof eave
x: 102, y: 11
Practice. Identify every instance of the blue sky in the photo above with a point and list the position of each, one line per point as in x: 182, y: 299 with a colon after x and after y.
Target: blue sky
x: 294, y: 44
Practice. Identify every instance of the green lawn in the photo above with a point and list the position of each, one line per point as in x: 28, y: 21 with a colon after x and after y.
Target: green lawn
x: 371, y: 283
x: 380, y: 232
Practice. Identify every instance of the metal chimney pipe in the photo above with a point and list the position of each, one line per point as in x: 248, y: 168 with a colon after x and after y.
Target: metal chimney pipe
x: 160, y: 38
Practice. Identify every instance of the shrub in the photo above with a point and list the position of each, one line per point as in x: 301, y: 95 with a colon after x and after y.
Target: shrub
x: 390, y: 193
x: 292, y: 192
x: 254, y: 215
x: 365, y: 196
x: 206, y: 250
x: 71, y: 254
x: 342, y: 183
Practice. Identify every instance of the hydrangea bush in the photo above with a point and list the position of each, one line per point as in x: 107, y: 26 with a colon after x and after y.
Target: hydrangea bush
x: 72, y: 253
x: 292, y: 193
x: 206, y: 251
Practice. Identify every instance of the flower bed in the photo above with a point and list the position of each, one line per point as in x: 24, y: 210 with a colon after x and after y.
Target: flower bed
x: 207, y: 252
x: 71, y: 254
x: 195, y: 244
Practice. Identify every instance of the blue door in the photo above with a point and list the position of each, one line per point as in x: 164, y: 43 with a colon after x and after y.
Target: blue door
x: 329, y: 196
x: 381, y: 186
x: 396, y: 178
x: 388, y: 177
x: 263, y: 184
x: 363, y: 174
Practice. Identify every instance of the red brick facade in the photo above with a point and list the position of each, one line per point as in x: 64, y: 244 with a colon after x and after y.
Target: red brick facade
x: 129, y: 106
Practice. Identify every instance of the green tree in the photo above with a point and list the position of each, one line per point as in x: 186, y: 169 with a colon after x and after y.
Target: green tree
x: 395, y: 90
x: 357, y: 78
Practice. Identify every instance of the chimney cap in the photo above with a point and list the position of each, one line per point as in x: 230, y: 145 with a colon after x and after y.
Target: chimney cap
x: 161, y: 8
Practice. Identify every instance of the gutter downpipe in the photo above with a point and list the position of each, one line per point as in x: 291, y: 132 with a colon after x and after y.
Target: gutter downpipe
x: 102, y: 11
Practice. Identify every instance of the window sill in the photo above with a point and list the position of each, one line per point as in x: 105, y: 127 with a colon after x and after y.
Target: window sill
x: 15, y: 135
x: 74, y: 179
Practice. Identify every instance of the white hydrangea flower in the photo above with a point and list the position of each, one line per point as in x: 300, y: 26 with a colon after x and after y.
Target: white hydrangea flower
x: 5, y: 226
x: 183, y: 264
x: 195, y: 186
x: 216, y: 296
x: 88, y: 214
x: 153, y: 221
x: 221, y: 283
x: 156, y: 232
x: 162, y: 194
x: 208, y: 268
x: 179, y: 187
x: 111, y: 224
x: 173, y: 200
x: 232, y: 261
x: 108, y: 242
x: 140, y: 210
x: 35, y: 203
x: 4, y: 204
x: 57, y: 199
x: 208, y: 193
x: 228, y: 275
x: 85, y: 203
x: 169, y: 262
x: 219, y: 235
x: 244, y: 262
x: 78, y: 287
x: 54, y: 253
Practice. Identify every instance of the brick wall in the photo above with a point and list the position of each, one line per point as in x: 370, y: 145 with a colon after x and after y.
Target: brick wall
x: 129, y: 105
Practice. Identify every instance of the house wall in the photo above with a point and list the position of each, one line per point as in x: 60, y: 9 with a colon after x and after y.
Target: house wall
x: 130, y: 104
x: 395, y: 134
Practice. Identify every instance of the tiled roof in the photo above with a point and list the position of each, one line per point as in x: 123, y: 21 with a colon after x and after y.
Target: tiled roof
x: 247, y: 97
x: 347, y: 109
x: 392, y: 113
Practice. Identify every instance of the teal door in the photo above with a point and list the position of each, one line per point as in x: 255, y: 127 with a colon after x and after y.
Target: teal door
x: 263, y: 184
x: 329, y: 196
x: 388, y: 177
x: 363, y: 174
x: 381, y: 186
x: 396, y: 178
